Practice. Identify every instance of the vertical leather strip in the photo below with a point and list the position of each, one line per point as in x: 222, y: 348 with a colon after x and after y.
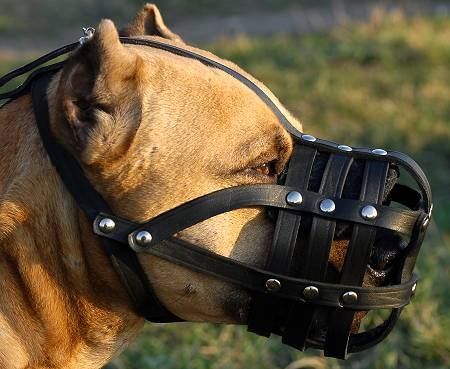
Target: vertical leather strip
x: 288, y: 223
x: 356, y: 260
x: 315, y: 253
x: 284, y: 241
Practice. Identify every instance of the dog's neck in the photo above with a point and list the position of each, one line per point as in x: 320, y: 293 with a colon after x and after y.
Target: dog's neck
x: 62, y: 304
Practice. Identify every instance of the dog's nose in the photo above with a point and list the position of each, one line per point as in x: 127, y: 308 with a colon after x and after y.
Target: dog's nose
x: 386, y: 252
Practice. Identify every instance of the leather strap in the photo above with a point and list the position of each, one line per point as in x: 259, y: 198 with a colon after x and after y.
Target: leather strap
x: 186, y: 215
x: 283, y: 244
x: 357, y: 153
x: 356, y: 260
x: 254, y: 279
x: 315, y: 251
x: 124, y: 260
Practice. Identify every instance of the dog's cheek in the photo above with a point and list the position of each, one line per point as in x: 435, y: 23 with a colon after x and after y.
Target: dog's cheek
x: 187, y: 294
x: 243, y: 235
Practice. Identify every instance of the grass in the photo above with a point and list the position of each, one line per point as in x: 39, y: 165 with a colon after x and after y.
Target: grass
x: 386, y: 84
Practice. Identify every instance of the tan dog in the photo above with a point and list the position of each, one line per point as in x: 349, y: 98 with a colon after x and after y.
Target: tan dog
x: 151, y: 130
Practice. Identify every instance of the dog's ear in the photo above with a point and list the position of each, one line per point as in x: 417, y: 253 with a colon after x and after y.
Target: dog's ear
x: 94, y: 79
x: 149, y: 22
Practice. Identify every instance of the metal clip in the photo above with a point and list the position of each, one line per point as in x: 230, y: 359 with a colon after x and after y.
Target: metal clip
x: 88, y: 34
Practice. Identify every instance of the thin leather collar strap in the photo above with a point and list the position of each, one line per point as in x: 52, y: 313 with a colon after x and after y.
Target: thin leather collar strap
x: 212, y: 63
x: 124, y: 260
x: 394, y: 157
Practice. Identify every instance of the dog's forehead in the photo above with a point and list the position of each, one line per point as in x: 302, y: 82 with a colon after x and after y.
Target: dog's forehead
x: 191, y: 67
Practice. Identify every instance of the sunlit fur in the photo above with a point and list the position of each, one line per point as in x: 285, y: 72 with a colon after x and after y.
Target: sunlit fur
x: 151, y: 130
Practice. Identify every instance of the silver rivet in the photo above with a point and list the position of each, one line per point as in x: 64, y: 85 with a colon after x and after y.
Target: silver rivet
x: 327, y: 206
x: 273, y: 284
x: 413, y: 288
x: 309, y: 138
x: 311, y: 292
x: 344, y: 148
x: 294, y: 198
x: 379, y: 152
x: 143, y: 238
x: 369, y: 212
x: 106, y: 225
x: 349, y: 297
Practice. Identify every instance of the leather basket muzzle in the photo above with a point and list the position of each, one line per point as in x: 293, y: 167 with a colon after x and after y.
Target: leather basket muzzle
x: 352, y: 190
x: 329, y: 191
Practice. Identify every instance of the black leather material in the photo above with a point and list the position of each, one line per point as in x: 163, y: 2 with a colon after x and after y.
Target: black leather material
x: 356, y: 260
x: 303, y: 235
x: 284, y: 241
x: 205, y: 207
x: 314, y: 254
x: 254, y: 279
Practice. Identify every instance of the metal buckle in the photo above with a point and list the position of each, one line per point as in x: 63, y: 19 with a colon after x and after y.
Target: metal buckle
x: 88, y: 34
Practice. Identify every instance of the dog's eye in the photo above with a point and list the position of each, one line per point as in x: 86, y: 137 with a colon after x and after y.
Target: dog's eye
x: 266, y: 169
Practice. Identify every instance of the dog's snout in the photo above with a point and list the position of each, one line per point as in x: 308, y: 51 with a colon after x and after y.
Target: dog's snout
x: 383, y: 257
x: 387, y: 249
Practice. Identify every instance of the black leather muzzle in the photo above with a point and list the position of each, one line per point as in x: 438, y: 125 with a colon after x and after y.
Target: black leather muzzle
x: 329, y: 192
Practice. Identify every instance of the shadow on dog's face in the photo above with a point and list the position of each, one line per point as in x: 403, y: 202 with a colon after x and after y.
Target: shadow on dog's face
x: 153, y: 130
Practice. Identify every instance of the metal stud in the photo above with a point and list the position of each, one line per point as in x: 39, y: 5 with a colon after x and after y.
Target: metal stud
x: 106, y: 225
x: 294, y: 198
x: 309, y: 138
x: 273, y: 284
x: 379, y: 152
x: 143, y: 238
x: 327, y: 206
x: 369, y: 212
x: 311, y: 292
x: 344, y: 148
x: 349, y: 297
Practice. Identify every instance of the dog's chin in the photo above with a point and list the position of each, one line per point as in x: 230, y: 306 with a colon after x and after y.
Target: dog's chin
x: 236, y: 306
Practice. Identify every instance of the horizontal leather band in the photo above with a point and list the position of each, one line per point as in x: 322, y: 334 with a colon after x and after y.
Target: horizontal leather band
x: 254, y: 279
x: 205, y: 207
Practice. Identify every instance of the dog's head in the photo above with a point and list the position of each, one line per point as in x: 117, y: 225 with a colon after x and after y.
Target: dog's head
x: 153, y: 130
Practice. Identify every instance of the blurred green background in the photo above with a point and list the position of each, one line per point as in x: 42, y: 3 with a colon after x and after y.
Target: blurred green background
x: 357, y: 72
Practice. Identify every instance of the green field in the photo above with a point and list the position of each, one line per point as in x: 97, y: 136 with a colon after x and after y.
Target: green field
x: 385, y: 84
